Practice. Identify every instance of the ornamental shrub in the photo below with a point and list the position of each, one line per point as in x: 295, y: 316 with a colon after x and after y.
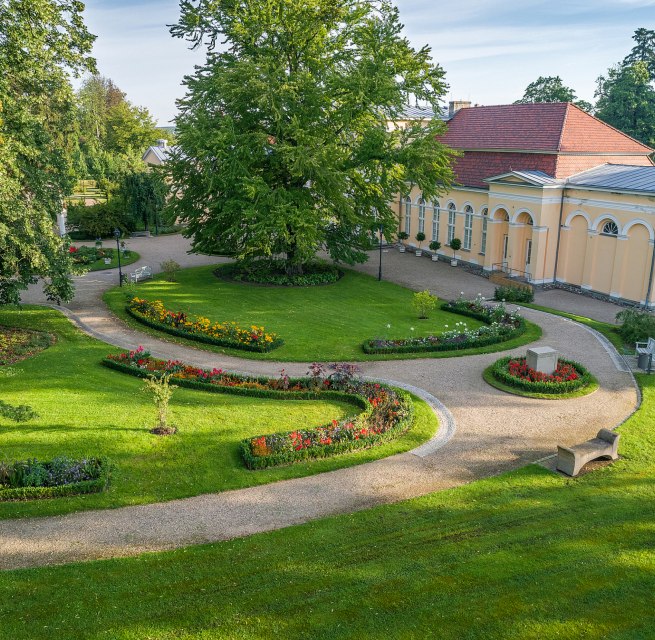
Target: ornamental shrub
x: 423, y: 303
x: 273, y: 273
x: 170, y: 269
x: 636, y: 326
x: 514, y: 294
x: 162, y: 392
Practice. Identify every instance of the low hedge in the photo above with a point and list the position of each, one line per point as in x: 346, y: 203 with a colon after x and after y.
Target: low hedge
x: 509, y: 332
x: 403, y: 407
x: 198, y: 337
x: 499, y: 372
x: 95, y: 485
x: 272, y: 273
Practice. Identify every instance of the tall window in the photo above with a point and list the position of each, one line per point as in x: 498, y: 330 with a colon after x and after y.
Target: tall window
x: 408, y: 214
x: 421, y: 215
x: 451, y: 222
x: 485, y: 222
x: 468, y: 226
x: 435, y: 221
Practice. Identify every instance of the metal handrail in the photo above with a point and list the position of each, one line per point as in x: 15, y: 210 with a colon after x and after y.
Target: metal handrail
x: 510, y: 271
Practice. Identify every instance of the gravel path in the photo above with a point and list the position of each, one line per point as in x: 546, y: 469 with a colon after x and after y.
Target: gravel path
x: 495, y: 432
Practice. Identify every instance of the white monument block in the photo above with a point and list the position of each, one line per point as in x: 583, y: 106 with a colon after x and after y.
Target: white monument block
x: 543, y: 359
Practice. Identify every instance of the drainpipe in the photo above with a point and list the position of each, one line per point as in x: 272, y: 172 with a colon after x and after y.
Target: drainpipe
x: 559, y: 234
x: 650, y: 278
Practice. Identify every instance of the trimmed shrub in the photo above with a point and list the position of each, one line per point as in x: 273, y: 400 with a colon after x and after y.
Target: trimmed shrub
x: 636, y: 326
x: 273, y: 273
x: 514, y: 294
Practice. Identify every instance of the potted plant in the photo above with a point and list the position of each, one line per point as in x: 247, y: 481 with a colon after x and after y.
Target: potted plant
x: 434, y: 247
x: 401, y: 237
x: 455, y: 245
x: 420, y: 236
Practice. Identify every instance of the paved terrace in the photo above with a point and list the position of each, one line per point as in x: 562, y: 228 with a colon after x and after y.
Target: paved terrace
x: 493, y: 431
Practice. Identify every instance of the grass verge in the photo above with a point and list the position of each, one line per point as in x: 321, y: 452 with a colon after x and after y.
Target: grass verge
x: 99, y: 265
x: 86, y: 409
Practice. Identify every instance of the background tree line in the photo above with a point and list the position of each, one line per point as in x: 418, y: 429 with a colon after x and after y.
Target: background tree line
x: 625, y: 94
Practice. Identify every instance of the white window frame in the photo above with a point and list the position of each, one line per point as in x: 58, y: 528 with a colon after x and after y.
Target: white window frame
x: 436, y: 214
x: 468, y: 227
x: 483, y: 238
x: 421, y: 215
x: 452, y: 219
x: 408, y: 215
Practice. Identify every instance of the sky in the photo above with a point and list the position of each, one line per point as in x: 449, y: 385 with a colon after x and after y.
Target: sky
x: 490, y: 50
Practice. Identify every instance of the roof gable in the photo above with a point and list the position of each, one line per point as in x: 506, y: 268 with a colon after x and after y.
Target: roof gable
x: 525, y: 178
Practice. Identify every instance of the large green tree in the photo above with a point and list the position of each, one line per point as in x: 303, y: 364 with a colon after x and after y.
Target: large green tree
x: 42, y: 42
x: 286, y: 142
x: 643, y: 51
x: 626, y: 100
x: 551, y: 89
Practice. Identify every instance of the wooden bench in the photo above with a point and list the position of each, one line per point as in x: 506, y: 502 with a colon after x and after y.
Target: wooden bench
x: 571, y: 459
x: 645, y: 352
x: 142, y: 273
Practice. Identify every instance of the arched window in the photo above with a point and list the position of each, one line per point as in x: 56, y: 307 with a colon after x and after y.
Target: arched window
x: 421, y: 215
x: 468, y: 226
x: 485, y: 222
x: 610, y: 228
x: 435, y: 221
x: 451, y: 221
x: 408, y: 214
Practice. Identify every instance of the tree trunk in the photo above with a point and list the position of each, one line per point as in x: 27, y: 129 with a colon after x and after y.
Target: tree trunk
x: 293, y: 265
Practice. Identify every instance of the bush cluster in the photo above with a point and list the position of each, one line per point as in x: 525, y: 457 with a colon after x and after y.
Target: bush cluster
x: 636, y: 326
x: 506, y: 371
x: 514, y: 294
x: 62, y: 476
x: 386, y: 412
x: 273, y: 272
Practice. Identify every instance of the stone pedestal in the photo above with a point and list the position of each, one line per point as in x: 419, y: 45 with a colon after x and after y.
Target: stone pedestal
x: 542, y: 359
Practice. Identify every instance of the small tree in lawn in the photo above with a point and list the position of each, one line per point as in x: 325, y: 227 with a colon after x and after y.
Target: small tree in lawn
x: 161, y: 391
x: 424, y: 302
x: 284, y: 143
x: 455, y: 245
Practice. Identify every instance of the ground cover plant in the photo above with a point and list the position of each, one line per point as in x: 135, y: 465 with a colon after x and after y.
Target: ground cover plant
x: 274, y: 273
x: 526, y: 555
x: 500, y: 327
x: 327, y: 323
x: 569, y: 377
x: 178, y: 323
x: 385, y: 413
x: 86, y: 410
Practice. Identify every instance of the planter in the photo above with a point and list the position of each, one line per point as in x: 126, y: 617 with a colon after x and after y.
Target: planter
x: 453, y: 263
x: 419, y: 253
x: 435, y: 258
x: 401, y: 248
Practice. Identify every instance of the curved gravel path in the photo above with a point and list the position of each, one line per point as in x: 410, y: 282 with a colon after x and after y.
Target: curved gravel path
x: 495, y: 432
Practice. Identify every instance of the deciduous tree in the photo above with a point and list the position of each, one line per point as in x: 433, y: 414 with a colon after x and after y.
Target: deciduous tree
x: 286, y: 141
x: 551, y: 89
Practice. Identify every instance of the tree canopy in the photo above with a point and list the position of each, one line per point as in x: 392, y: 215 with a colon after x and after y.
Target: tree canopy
x: 42, y: 42
x: 284, y: 141
x: 552, y: 89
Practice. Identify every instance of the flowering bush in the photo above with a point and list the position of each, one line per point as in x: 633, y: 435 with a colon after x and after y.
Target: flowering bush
x: 226, y: 334
x: 386, y: 412
x: 501, y: 325
x: 61, y: 476
x: 515, y: 372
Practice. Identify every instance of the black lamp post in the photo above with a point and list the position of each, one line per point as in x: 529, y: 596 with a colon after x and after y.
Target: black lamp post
x: 380, y: 251
x: 117, y: 235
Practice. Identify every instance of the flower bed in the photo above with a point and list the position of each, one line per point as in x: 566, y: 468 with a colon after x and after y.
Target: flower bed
x: 31, y: 479
x: 224, y: 334
x: 514, y: 372
x: 386, y: 413
x: 501, y: 326
x: 19, y: 344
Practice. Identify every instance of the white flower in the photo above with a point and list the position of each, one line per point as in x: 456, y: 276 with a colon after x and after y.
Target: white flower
x: 388, y: 326
x: 411, y: 328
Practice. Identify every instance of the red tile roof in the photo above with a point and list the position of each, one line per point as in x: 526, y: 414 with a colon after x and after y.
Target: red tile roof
x: 500, y: 138
x: 545, y: 126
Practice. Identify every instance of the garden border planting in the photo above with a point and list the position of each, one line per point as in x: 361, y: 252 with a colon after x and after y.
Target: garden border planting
x: 267, y: 274
x: 387, y: 413
x: 95, y: 485
x: 499, y: 371
x: 263, y: 342
x: 501, y: 327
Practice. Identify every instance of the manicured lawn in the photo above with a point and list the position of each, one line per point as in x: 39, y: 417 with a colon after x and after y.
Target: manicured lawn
x: 325, y: 323
x: 129, y: 259
x: 523, y: 556
x: 87, y: 409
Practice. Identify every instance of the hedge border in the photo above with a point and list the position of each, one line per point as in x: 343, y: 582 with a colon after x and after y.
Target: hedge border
x: 498, y: 371
x: 265, y: 462
x: 197, y: 337
x: 225, y: 272
x: 468, y: 344
x: 97, y: 485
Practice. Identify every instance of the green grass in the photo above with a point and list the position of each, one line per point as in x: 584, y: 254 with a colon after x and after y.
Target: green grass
x: 488, y: 377
x: 87, y: 409
x: 527, y: 555
x: 325, y: 323
x: 99, y: 265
